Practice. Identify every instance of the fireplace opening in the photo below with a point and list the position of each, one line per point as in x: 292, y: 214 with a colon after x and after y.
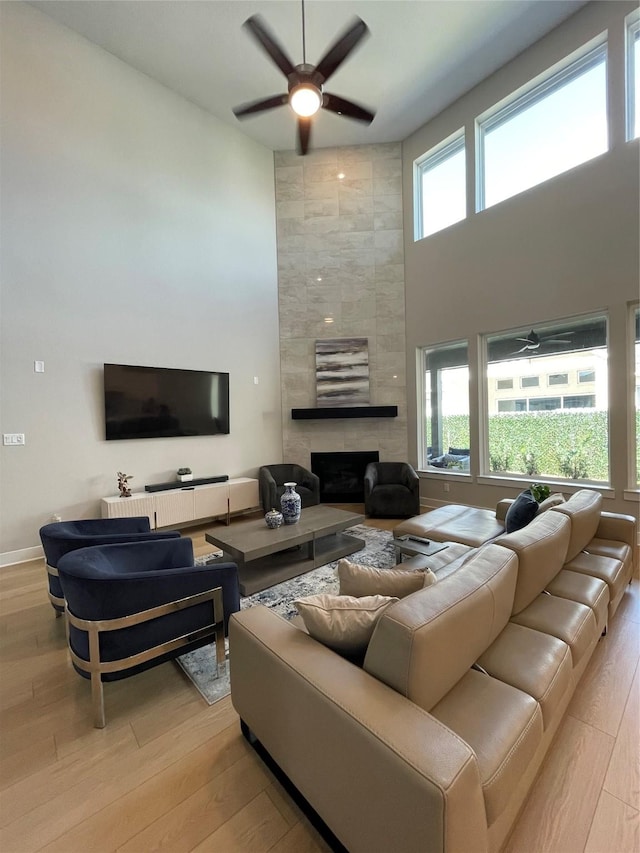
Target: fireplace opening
x: 342, y: 475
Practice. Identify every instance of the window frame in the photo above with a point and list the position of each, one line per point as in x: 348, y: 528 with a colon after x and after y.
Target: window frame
x: 631, y: 35
x: 633, y: 474
x: 449, y: 147
x: 558, y: 75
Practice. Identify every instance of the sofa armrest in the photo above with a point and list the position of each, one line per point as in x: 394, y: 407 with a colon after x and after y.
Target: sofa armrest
x: 380, y: 771
x: 620, y: 528
x: 502, y: 508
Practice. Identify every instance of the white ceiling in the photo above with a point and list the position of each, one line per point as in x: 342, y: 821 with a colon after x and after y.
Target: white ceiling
x: 421, y: 54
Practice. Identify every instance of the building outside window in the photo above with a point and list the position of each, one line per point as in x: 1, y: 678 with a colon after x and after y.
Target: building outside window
x: 632, y: 33
x: 557, y: 123
x: 545, y: 434
x: 440, y: 187
x: 445, y: 407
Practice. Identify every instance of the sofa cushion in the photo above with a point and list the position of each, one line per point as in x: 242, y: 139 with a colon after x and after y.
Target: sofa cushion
x: 536, y: 663
x: 342, y: 622
x: 501, y: 724
x: 454, y: 523
x: 541, y: 547
x: 569, y: 621
x: 583, y: 588
x: 608, y: 569
x: 521, y: 511
x: 426, y: 642
x: 583, y: 508
x: 359, y: 580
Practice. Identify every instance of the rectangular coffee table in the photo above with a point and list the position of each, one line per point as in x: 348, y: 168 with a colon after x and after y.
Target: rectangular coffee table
x: 266, y: 557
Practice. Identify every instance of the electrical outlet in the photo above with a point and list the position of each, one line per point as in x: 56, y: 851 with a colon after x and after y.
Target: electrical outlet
x: 446, y: 487
x: 13, y: 438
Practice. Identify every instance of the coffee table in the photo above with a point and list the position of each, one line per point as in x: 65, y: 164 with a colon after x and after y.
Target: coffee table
x: 266, y: 557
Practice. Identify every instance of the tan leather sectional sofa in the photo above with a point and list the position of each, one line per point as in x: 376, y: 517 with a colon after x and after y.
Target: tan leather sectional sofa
x: 433, y: 744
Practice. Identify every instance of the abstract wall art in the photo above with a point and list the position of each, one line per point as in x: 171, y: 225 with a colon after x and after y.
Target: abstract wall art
x: 342, y: 372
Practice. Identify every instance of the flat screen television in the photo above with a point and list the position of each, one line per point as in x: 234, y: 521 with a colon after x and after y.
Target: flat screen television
x: 160, y: 402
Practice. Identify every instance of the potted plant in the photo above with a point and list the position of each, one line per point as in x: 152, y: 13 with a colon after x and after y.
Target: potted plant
x: 184, y: 474
x: 539, y: 491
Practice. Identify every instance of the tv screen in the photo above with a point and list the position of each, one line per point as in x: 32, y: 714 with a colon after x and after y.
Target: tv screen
x: 160, y: 402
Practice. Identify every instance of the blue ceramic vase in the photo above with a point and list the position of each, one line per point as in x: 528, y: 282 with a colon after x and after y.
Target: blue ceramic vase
x: 273, y: 519
x: 291, y: 504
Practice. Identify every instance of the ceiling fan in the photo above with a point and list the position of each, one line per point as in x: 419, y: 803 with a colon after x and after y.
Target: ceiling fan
x: 306, y: 93
x: 533, y: 341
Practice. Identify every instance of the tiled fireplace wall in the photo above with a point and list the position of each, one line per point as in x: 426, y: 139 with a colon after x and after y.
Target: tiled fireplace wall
x: 341, y: 274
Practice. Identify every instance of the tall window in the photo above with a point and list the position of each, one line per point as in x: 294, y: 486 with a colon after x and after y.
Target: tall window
x: 440, y: 186
x: 445, y: 407
x: 546, y: 434
x: 553, y: 126
x: 632, y: 33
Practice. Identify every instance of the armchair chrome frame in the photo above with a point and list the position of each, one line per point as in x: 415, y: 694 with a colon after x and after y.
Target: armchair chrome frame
x: 57, y: 602
x: 96, y: 667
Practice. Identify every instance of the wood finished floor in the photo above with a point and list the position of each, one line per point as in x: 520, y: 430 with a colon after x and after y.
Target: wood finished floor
x: 169, y: 772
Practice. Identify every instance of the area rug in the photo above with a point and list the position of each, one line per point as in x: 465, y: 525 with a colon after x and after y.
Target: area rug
x: 200, y: 665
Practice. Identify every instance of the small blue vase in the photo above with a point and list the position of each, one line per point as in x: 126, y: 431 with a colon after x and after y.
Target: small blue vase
x: 291, y: 503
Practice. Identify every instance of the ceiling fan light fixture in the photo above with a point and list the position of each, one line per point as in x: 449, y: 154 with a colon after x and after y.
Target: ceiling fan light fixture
x: 305, y: 99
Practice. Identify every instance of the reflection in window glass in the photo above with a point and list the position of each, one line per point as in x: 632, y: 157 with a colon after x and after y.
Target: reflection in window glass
x: 446, y: 407
x: 557, y: 125
x: 441, y: 187
x: 544, y: 434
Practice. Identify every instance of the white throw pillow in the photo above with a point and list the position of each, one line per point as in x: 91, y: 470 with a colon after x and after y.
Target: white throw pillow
x: 553, y: 500
x: 342, y: 622
x: 358, y: 580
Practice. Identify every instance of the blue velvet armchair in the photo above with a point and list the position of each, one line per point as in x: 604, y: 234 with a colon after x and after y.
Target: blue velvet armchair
x: 60, y: 537
x: 135, y: 605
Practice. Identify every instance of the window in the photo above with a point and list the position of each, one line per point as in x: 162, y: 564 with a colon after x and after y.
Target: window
x: 544, y: 404
x: 558, y: 379
x: 579, y: 401
x: 529, y: 381
x: 512, y: 405
x: 560, y: 437
x: 586, y: 376
x: 553, y: 126
x: 632, y: 23
x: 504, y: 384
x: 440, y: 185
x: 445, y: 407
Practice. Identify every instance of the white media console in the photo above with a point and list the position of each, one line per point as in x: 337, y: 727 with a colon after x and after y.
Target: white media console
x: 186, y: 503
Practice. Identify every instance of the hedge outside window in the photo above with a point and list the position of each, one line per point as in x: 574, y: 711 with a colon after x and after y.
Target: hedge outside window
x: 544, y: 434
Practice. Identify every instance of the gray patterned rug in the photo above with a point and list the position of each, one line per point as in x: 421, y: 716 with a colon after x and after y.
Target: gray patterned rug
x: 200, y: 665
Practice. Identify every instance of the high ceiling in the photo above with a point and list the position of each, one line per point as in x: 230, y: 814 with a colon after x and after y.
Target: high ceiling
x: 421, y: 54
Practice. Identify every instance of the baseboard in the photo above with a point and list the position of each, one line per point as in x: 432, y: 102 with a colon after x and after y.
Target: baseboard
x: 9, y: 558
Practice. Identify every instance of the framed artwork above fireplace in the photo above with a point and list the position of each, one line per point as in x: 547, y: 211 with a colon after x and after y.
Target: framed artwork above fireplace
x: 342, y: 372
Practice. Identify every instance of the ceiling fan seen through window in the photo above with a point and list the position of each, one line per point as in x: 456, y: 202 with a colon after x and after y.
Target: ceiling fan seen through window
x: 306, y: 95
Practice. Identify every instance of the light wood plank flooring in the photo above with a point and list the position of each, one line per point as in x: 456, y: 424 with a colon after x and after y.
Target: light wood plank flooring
x: 170, y: 772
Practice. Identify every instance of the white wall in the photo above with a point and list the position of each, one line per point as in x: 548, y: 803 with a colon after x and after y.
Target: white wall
x: 566, y: 247
x: 135, y: 229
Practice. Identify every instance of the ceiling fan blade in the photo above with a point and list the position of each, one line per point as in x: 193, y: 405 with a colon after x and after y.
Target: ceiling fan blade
x: 258, y: 106
x: 347, y: 108
x: 342, y: 47
x: 304, y: 133
x: 258, y: 29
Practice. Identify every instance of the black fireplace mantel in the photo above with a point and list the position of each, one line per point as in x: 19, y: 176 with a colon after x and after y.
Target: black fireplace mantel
x: 328, y: 412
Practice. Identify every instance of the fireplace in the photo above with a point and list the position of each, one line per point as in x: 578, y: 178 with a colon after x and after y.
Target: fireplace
x: 342, y: 475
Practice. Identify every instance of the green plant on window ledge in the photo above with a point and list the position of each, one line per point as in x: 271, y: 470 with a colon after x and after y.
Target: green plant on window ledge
x: 539, y: 491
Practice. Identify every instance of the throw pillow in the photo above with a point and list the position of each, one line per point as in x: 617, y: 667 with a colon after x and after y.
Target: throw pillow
x: 552, y: 500
x: 521, y: 511
x: 359, y: 580
x: 342, y: 622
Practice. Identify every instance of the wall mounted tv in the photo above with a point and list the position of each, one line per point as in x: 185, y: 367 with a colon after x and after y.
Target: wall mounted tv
x: 160, y: 402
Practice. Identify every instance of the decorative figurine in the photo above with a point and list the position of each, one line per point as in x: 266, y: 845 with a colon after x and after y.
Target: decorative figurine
x: 123, y: 484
